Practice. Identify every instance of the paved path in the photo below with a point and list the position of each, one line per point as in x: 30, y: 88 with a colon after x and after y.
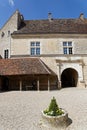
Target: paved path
x: 22, y: 110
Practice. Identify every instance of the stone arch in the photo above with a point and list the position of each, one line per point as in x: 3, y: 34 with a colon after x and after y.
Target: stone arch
x: 69, y: 78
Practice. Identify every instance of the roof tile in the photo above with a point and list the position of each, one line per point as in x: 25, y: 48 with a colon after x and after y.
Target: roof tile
x: 23, y: 66
x: 54, y: 26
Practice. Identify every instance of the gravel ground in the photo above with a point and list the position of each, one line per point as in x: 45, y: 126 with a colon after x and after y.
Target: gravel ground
x: 22, y: 110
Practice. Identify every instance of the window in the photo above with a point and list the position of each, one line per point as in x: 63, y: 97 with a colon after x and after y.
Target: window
x: 8, y: 33
x: 2, y: 34
x: 35, y: 48
x: 6, y: 53
x: 67, y: 48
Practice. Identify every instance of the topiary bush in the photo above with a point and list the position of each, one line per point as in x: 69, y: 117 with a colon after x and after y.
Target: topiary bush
x: 53, y: 109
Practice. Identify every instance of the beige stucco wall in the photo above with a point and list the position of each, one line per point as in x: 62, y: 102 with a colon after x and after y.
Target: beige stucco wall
x: 48, y: 45
x: 10, y: 25
x: 52, y: 50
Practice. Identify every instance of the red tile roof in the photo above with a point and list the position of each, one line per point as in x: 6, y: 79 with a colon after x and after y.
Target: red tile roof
x: 24, y: 66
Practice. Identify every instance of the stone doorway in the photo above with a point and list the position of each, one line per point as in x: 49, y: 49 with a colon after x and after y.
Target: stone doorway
x: 69, y: 78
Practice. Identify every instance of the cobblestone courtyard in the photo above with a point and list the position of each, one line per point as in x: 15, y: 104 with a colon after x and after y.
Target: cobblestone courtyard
x: 22, y: 110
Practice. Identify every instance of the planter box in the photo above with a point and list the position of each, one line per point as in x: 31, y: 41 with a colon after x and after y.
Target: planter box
x: 56, y: 121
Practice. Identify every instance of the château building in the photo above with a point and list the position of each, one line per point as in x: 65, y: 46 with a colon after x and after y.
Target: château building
x: 43, y: 54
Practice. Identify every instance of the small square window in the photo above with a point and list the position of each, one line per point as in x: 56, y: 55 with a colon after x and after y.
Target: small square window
x: 64, y: 43
x: 37, y: 43
x: 32, y: 44
x: 8, y: 33
x: 69, y: 43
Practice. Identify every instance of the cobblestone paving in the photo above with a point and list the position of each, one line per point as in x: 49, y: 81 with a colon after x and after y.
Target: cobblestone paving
x: 22, y: 110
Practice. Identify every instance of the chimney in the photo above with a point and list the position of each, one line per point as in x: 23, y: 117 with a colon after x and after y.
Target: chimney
x: 50, y: 17
x: 81, y: 16
x: 22, y: 17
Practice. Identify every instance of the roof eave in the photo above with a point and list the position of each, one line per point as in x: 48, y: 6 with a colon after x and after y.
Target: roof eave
x: 63, y: 34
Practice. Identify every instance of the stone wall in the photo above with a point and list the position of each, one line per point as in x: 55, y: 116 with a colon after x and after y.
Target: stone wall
x: 9, y: 27
x: 51, y: 48
x: 48, y: 45
x: 52, y: 51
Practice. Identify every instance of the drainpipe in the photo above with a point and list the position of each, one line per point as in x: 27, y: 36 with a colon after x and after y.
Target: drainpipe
x: 10, y: 44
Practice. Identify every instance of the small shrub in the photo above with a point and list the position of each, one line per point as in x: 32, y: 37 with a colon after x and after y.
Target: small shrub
x: 53, y: 109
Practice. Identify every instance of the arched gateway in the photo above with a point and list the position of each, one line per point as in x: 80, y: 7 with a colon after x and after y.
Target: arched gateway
x: 69, y: 78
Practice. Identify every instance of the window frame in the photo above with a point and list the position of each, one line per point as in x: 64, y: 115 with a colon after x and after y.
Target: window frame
x: 67, y: 47
x: 35, y: 48
x: 6, y: 54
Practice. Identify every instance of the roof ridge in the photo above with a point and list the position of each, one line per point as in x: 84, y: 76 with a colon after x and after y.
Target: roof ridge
x: 44, y: 66
x: 52, y: 20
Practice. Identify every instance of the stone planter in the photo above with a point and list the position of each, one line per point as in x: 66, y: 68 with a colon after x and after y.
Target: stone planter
x: 60, y: 121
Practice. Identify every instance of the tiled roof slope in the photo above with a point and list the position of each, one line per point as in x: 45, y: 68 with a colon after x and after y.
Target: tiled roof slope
x: 24, y: 66
x: 65, y: 26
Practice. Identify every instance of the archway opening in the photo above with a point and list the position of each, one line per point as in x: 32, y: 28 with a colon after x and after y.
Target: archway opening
x: 69, y: 78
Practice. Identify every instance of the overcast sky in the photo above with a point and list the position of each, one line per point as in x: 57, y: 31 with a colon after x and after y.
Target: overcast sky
x: 38, y: 9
